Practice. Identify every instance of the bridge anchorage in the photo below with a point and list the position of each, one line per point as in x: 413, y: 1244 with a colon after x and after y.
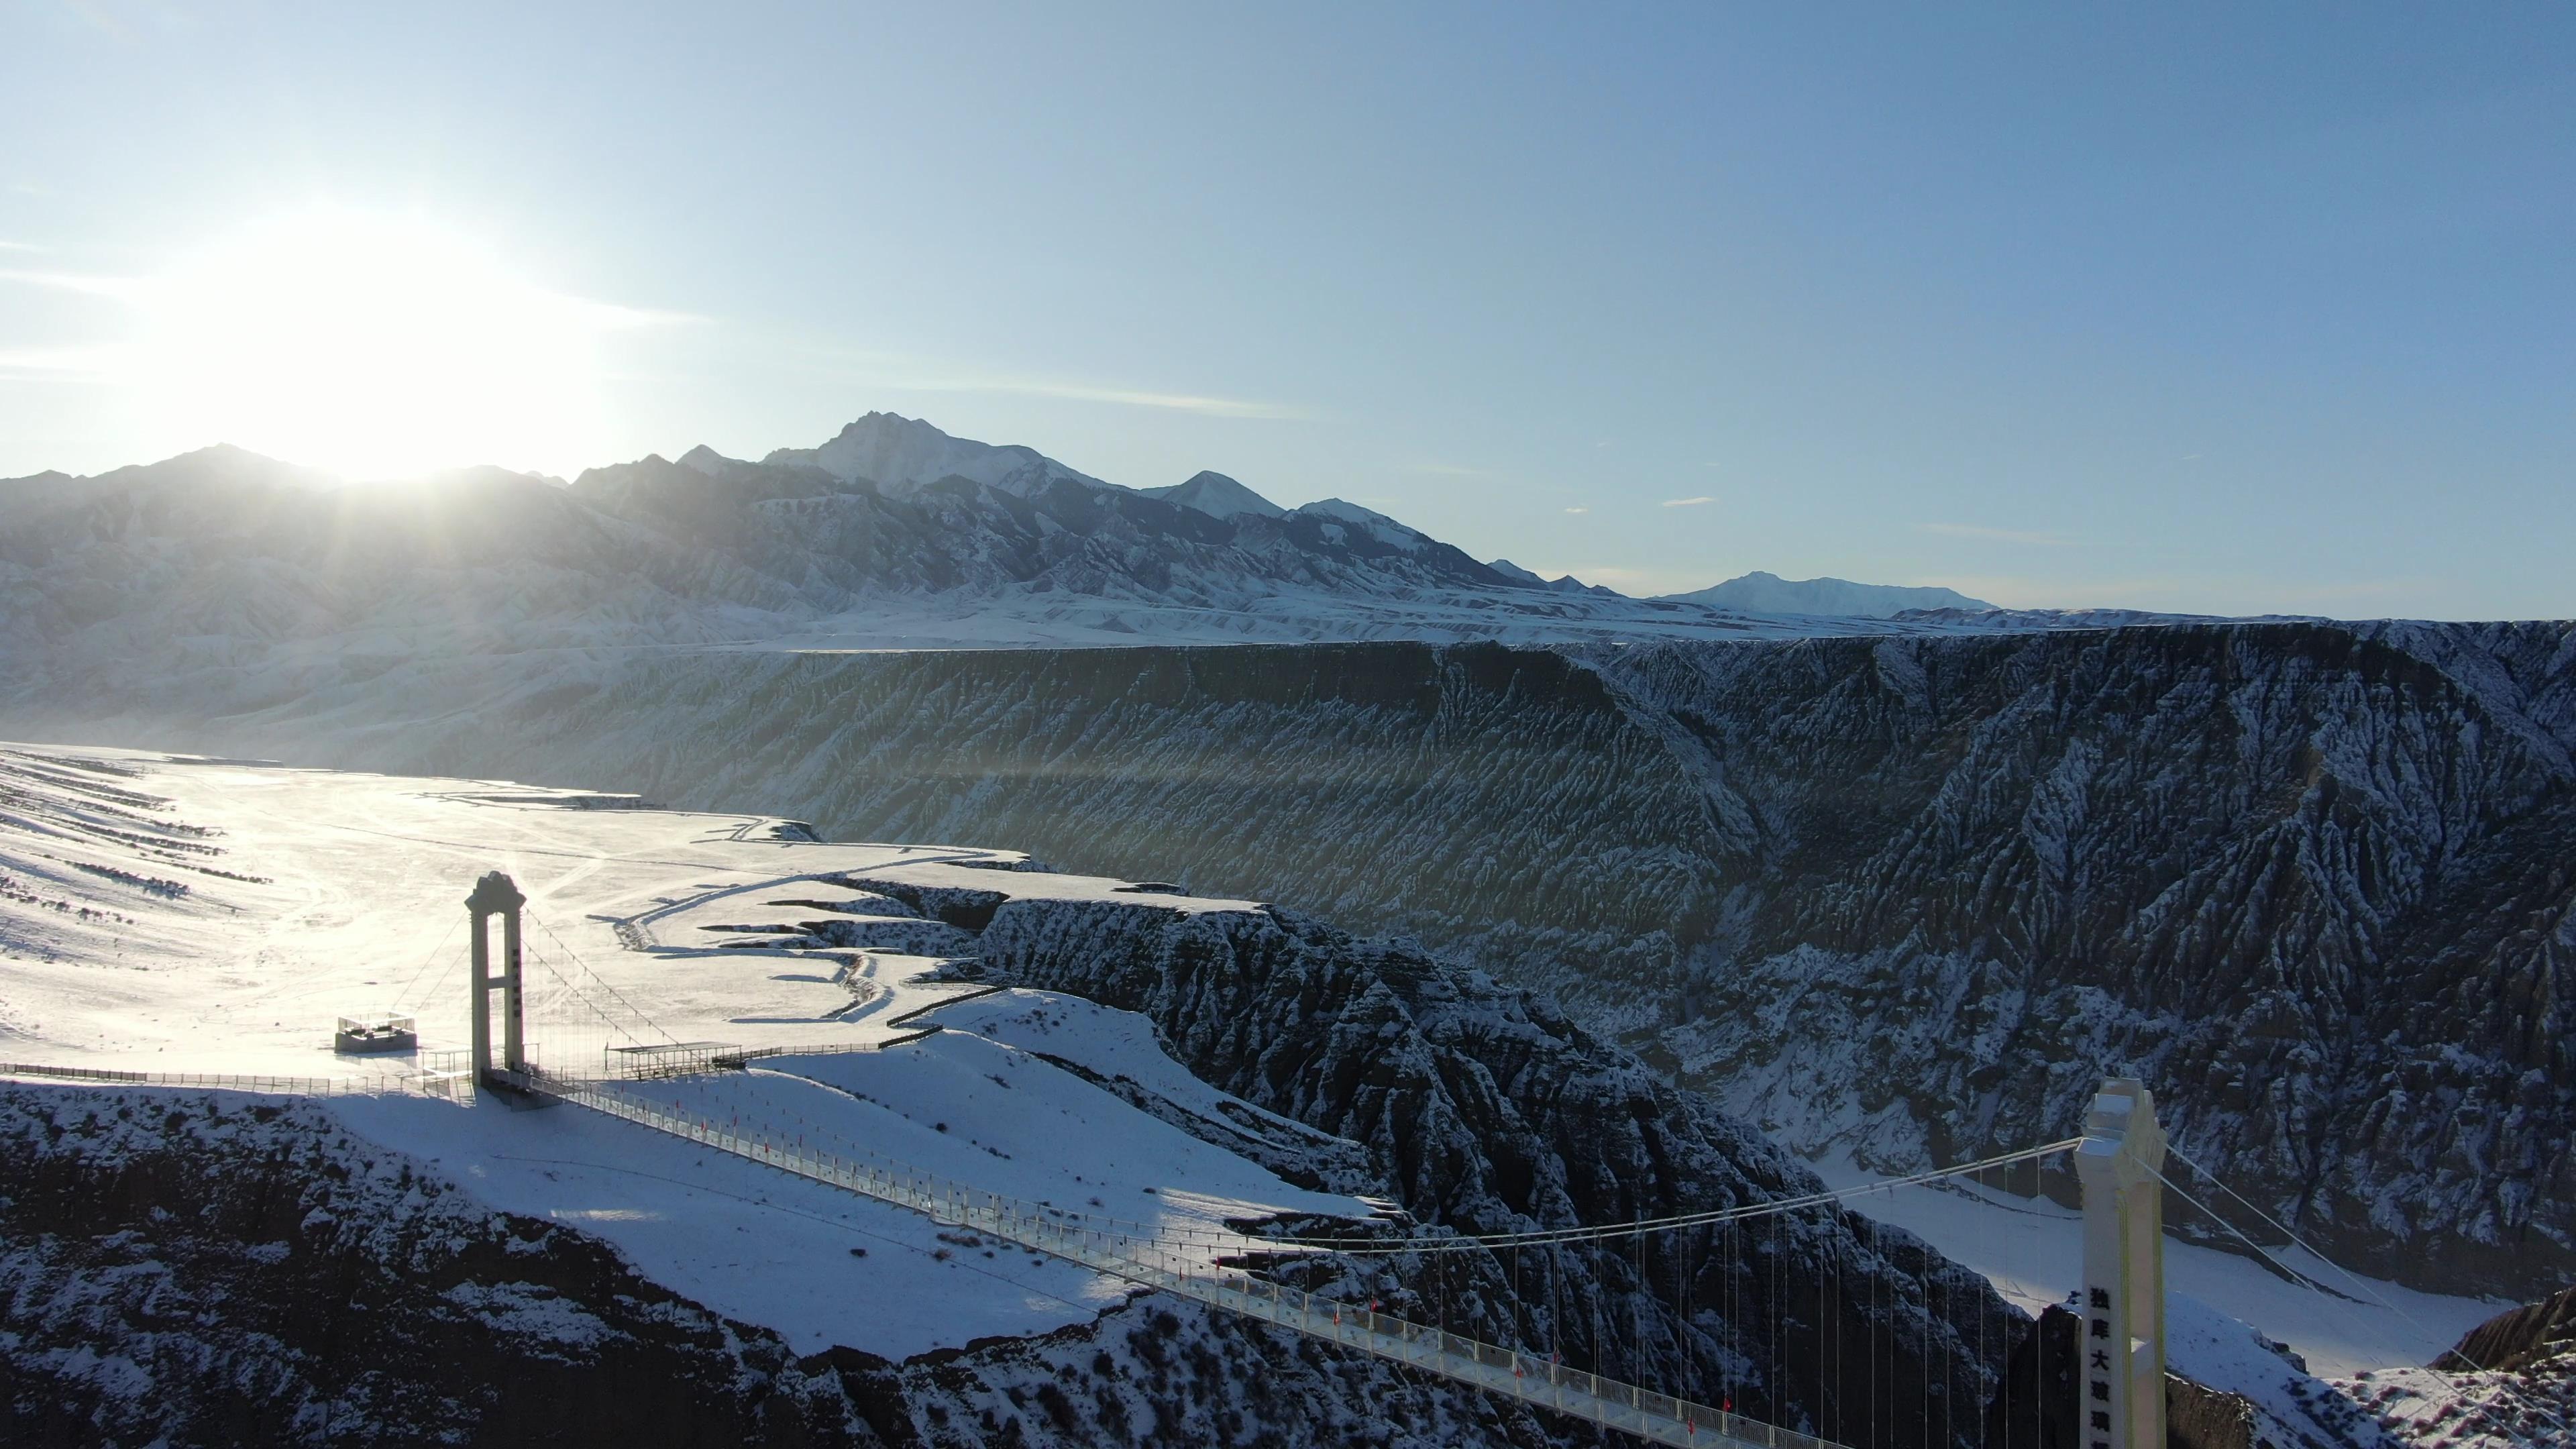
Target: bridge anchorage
x: 2119, y: 1393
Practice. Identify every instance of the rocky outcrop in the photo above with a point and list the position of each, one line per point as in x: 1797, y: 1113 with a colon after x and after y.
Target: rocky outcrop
x: 2508, y: 1383
x: 2517, y: 1338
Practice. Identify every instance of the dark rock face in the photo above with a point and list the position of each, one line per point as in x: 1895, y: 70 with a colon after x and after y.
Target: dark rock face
x: 2508, y: 1382
x: 1910, y: 897
x: 2517, y: 1338
x: 2199, y: 1417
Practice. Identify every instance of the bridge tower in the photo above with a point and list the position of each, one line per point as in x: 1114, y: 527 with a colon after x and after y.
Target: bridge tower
x: 2123, y: 1309
x: 496, y: 894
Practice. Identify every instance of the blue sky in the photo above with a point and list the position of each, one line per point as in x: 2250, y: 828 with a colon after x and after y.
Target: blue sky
x: 2216, y: 308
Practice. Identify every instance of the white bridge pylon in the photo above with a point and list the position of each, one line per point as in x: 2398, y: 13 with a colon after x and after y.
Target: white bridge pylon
x: 2121, y: 1165
x: 496, y: 894
x: 2117, y: 1160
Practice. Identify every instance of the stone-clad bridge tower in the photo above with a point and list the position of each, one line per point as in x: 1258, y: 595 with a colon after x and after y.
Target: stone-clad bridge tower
x: 497, y: 894
x: 2123, y: 1343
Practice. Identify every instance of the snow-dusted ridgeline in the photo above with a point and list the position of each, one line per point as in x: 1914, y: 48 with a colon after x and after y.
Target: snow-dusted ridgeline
x: 225, y: 577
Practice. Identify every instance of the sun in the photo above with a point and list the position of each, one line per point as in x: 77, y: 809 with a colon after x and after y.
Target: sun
x: 374, y: 347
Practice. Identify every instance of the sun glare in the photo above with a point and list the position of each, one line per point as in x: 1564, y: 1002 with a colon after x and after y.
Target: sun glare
x: 374, y: 348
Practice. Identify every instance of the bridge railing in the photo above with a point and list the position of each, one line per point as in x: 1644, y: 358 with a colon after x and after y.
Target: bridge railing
x: 369, y: 1086
x: 1152, y: 1262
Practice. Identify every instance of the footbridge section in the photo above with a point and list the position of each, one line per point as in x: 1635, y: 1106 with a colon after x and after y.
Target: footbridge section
x: 1148, y: 1262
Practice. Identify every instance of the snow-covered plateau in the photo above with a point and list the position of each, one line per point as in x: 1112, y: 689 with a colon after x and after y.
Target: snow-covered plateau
x: 286, y: 1256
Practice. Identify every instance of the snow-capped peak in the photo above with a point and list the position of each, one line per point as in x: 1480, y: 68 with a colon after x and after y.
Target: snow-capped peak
x: 705, y: 460
x: 1384, y: 529
x: 1218, y: 495
x: 899, y: 454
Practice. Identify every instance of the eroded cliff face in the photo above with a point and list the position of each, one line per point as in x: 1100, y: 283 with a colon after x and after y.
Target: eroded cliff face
x: 2312, y: 884
x: 1486, y: 1110
x: 1906, y: 897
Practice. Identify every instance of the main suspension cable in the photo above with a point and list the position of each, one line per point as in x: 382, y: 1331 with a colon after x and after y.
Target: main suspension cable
x: 1463, y: 1243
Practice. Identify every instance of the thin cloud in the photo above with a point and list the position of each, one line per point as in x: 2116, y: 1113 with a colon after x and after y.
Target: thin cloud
x: 1214, y: 407
x: 1448, y: 470
x: 901, y: 372
x: 15, y: 246
x: 1997, y: 535
x: 125, y: 288
x: 57, y: 360
x: 1578, y: 510
x: 611, y: 316
x: 1687, y: 502
x: 605, y: 316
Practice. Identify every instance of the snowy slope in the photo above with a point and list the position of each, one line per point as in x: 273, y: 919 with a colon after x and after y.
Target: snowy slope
x: 2032, y: 1248
x: 129, y: 948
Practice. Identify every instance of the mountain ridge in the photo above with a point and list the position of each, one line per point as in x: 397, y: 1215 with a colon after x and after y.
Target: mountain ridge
x: 790, y: 535
x: 1760, y: 592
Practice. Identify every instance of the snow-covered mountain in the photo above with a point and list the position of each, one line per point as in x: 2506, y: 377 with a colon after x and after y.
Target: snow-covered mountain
x: 1764, y: 593
x: 892, y: 534
x: 898, y: 455
x: 1217, y: 496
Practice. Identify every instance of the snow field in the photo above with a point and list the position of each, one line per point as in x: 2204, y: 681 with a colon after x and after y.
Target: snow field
x: 629, y: 909
x: 2219, y: 1307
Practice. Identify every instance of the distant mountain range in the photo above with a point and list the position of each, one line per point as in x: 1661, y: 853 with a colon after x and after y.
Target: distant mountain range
x: 892, y: 534
x: 1761, y: 593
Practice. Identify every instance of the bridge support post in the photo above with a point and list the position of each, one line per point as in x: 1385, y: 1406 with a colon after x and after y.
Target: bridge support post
x: 2123, y: 1307
x: 496, y: 894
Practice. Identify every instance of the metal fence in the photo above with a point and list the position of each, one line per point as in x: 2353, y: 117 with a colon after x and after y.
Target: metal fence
x: 372, y: 1086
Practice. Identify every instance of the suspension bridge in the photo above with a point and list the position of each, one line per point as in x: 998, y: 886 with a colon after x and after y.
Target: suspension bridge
x: 2118, y: 1380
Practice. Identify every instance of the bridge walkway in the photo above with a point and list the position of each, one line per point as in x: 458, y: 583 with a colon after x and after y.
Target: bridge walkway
x: 1628, y: 1408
